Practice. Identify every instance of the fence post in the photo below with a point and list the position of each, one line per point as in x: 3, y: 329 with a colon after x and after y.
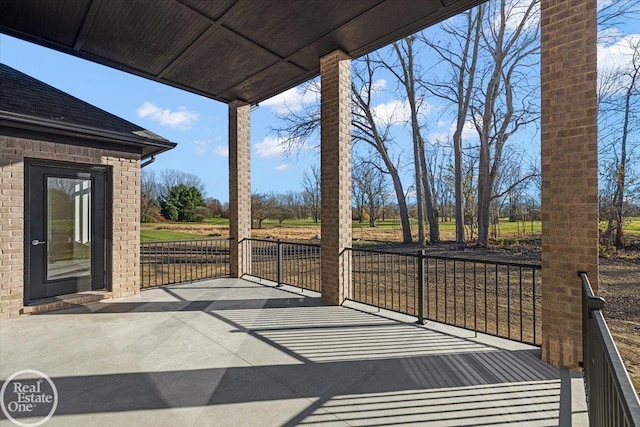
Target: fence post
x: 421, y: 256
x: 279, y: 263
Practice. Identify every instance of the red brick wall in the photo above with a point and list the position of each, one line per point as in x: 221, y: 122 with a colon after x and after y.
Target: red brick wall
x: 569, y: 172
x: 239, y: 187
x: 126, y: 214
x: 335, y: 153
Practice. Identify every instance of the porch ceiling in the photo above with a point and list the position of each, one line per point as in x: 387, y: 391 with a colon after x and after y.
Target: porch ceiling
x: 248, y: 50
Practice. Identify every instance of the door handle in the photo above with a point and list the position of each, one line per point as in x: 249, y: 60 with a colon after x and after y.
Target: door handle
x: 36, y: 242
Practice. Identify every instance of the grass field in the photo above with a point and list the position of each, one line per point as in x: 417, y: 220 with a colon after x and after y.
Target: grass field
x: 618, y: 275
x: 151, y: 235
x: 388, y: 230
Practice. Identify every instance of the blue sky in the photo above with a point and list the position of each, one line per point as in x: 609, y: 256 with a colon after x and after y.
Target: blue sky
x: 199, y: 125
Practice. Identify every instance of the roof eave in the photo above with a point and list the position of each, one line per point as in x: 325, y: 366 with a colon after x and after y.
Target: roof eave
x: 148, y: 146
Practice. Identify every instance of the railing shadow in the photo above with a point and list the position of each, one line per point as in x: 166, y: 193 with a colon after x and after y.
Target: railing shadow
x: 341, y: 365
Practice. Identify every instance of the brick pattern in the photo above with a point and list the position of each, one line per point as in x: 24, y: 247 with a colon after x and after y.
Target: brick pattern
x: 335, y: 155
x: 239, y: 187
x: 569, y: 172
x: 66, y: 301
x: 126, y: 214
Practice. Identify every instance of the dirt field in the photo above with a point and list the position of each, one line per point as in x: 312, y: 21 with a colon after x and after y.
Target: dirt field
x: 619, y: 275
x: 620, y: 287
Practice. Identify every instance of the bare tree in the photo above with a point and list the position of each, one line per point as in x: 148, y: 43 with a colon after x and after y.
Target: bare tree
x: 299, y: 127
x: 311, y: 190
x: 149, y: 206
x: 285, y: 207
x: 470, y: 194
x: 373, y: 131
x: 172, y: 178
x: 441, y: 179
x: 613, y: 13
x: 263, y: 206
x: 510, y: 38
x: 369, y: 189
x: 618, y: 89
x: 215, y: 208
x: 407, y: 73
x: 460, y: 55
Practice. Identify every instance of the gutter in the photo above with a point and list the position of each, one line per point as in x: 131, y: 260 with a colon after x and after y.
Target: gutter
x: 21, y: 121
x: 148, y: 162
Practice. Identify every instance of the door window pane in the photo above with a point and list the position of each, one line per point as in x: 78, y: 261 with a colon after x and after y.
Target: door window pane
x: 68, y: 228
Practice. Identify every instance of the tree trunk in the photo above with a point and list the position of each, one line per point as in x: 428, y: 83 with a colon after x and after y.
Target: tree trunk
x: 400, y: 197
x: 432, y: 214
x: 621, y: 176
x: 419, y: 201
x: 457, y: 151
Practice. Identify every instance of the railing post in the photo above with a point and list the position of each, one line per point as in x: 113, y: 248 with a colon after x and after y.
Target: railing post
x: 279, y: 263
x: 421, y: 256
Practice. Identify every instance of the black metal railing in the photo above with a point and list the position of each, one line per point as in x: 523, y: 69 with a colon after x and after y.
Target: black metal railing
x: 611, y: 398
x: 285, y: 263
x: 497, y: 298
x: 164, y: 263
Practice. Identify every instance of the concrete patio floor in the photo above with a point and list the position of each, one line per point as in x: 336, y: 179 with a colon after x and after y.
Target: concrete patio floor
x: 230, y: 352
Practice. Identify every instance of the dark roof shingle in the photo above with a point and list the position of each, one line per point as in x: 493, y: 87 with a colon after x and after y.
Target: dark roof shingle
x: 26, y: 96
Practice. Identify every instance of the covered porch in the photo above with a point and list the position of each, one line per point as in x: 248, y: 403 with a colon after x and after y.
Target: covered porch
x: 230, y: 352
x: 244, y: 52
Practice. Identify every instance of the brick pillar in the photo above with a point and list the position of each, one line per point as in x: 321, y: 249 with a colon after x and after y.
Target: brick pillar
x: 239, y: 187
x: 569, y: 172
x: 335, y: 159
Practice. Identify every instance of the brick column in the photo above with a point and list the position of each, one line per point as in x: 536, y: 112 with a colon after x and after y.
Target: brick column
x: 569, y: 172
x: 335, y: 158
x: 239, y: 187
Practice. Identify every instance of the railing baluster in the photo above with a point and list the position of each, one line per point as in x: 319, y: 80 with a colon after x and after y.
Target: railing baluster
x: 533, y: 287
x: 497, y: 301
x: 437, y: 299
x: 464, y: 289
x: 446, y: 295
x: 475, y: 299
x: 508, y: 302
x: 164, y: 263
x: 611, y: 398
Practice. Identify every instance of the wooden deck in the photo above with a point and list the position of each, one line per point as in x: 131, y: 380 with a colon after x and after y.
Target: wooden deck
x: 230, y: 352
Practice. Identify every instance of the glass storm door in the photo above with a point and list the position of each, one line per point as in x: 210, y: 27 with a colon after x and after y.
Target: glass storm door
x: 65, y: 242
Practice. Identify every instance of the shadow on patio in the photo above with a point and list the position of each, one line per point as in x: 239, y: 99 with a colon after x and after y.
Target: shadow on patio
x: 236, y: 353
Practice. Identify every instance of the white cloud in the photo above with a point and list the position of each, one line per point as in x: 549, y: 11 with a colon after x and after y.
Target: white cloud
x: 379, y: 85
x: 270, y: 147
x: 614, y: 57
x: 438, y: 137
x: 617, y: 54
x: 201, y: 147
x: 515, y: 13
x: 221, y: 150
x: 609, y: 35
x: 393, y: 112
x: 294, y: 99
x: 282, y: 167
x: 182, y: 119
x: 397, y: 112
x: 468, y: 130
x: 446, y: 130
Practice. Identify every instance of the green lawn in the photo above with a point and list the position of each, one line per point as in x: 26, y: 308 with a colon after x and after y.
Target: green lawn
x: 632, y: 225
x: 167, y: 235
x: 217, y: 221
